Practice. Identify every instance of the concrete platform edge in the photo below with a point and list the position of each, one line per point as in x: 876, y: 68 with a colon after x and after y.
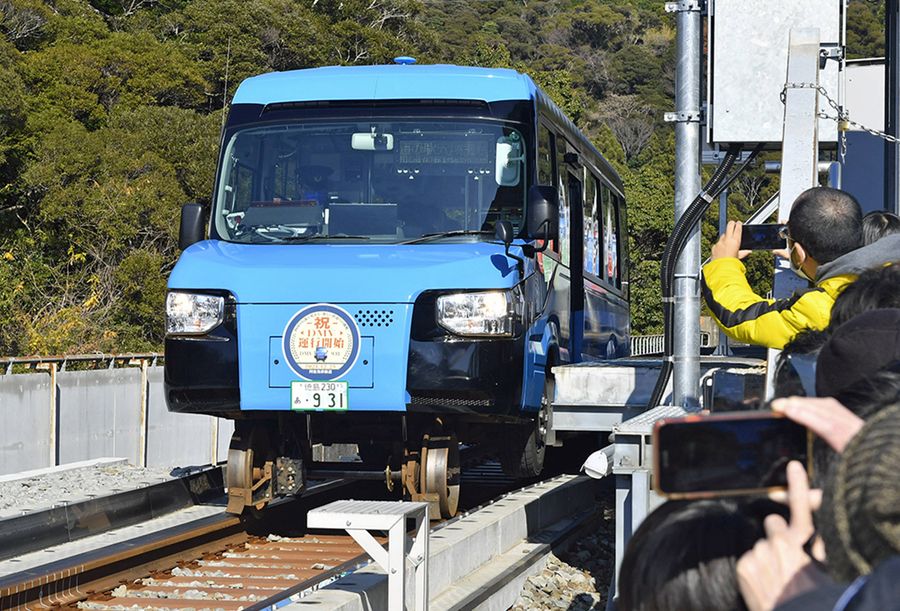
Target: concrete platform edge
x: 465, y: 545
x: 94, y: 462
x: 66, y: 523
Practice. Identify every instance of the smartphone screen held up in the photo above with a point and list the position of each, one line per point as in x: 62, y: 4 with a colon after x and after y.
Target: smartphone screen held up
x: 727, y: 454
x: 763, y: 237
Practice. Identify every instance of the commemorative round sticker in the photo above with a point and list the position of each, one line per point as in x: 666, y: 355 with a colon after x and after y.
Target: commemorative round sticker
x: 321, y: 342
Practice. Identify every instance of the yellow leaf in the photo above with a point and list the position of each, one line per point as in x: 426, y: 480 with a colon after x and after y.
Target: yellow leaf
x: 9, y: 256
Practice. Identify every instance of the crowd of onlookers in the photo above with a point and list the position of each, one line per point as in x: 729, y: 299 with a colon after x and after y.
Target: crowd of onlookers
x: 832, y: 540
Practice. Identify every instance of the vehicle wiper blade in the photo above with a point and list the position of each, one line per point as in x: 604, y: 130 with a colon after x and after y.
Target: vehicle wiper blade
x: 448, y: 234
x: 319, y: 236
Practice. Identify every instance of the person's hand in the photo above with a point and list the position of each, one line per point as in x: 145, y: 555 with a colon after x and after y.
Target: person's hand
x: 782, y: 253
x: 777, y: 568
x: 825, y: 417
x: 729, y: 244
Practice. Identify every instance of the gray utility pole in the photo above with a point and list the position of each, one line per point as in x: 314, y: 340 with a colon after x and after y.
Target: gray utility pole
x: 686, y: 379
x: 892, y: 105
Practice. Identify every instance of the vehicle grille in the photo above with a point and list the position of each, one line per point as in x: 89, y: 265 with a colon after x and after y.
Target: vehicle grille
x: 374, y: 318
x: 445, y: 401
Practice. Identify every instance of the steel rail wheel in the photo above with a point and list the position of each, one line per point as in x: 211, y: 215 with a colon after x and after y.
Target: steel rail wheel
x: 441, y: 472
x: 250, y: 467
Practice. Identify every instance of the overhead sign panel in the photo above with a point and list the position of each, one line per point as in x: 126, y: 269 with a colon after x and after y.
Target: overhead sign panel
x: 748, y: 51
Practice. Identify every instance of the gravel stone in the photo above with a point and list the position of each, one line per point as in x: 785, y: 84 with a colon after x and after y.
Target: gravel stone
x: 64, y: 487
x: 578, y: 578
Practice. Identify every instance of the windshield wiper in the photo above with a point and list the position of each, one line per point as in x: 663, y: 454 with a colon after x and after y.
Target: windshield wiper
x: 319, y: 236
x: 448, y: 234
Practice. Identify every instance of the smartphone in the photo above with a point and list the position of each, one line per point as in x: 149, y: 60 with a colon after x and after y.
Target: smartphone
x: 770, y: 236
x: 728, y: 454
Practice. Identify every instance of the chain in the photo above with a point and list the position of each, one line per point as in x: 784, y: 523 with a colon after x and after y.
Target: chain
x: 841, y: 117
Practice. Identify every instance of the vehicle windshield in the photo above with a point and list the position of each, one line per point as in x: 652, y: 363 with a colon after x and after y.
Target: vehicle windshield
x: 389, y: 181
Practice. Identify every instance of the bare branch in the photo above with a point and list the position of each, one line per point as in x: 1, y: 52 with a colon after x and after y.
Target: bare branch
x: 630, y: 121
x: 19, y: 23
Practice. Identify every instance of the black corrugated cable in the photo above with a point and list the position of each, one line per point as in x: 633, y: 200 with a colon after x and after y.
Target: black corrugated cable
x: 675, y: 245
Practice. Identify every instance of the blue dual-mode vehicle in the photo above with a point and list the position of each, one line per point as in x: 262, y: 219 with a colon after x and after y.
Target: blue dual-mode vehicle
x: 395, y: 256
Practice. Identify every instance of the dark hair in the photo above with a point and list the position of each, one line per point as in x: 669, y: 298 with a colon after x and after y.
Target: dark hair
x: 787, y: 380
x: 683, y: 557
x: 879, y: 223
x: 826, y: 222
x: 865, y: 398
x: 874, y: 289
x: 868, y: 396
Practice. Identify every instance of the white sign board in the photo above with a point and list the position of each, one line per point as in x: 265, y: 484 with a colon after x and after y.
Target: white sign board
x: 748, y: 49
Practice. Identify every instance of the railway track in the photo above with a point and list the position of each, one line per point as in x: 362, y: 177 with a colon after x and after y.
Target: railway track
x: 179, y: 556
x: 218, y: 562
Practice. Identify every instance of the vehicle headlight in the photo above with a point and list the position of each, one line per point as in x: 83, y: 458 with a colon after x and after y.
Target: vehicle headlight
x: 193, y: 313
x: 491, y: 313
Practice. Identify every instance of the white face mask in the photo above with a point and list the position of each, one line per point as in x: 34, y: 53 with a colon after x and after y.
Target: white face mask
x: 795, y: 266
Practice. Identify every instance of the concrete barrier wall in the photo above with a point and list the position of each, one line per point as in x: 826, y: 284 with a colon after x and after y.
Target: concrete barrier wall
x: 91, y: 414
x: 190, y: 437
x: 99, y: 414
x: 25, y: 423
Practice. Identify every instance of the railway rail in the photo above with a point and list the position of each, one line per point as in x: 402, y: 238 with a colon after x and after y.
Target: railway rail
x: 93, y: 573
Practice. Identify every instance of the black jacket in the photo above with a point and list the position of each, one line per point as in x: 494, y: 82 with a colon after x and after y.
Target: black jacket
x: 879, y: 591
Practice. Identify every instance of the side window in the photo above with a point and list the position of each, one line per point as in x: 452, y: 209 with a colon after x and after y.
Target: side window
x: 610, y: 237
x: 623, y: 243
x: 592, y: 223
x: 562, y: 172
x: 546, y: 149
x: 609, y: 254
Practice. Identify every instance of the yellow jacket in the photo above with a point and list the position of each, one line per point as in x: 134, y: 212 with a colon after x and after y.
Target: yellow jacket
x: 747, y: 317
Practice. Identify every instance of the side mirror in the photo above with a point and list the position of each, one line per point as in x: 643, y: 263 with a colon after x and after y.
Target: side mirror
x: 542, y: 218
x: 503, y: 231
x: 193, y: 225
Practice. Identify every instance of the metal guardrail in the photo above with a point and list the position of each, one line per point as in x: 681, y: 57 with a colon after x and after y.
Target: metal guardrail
x: 641, y: 345
x: 647, y: 345
x: 94, y: 361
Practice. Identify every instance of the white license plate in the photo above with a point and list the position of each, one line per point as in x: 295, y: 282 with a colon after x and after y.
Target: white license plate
x: 319, y: 395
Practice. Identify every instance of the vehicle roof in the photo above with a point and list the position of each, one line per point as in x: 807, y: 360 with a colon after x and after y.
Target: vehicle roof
x: 388, y: 82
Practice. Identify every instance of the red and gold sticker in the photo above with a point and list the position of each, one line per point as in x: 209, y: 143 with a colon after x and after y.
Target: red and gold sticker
x: 321, y: 342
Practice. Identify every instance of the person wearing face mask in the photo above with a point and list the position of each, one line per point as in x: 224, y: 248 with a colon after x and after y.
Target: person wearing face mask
x: 824, y: 235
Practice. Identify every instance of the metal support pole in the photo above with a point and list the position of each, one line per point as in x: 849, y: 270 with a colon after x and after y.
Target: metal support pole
x: 144, y: 423
x: 722, y: 348
x: 214, y: 441
x: 686, y: 379
x: 799, y: 152
x: 892, y: 105
x: 54, y: 417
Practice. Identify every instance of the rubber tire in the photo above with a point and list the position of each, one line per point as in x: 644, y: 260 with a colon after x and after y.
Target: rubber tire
x: 522, y: 457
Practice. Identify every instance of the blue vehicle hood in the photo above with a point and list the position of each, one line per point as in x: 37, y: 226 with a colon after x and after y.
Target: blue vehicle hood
x: 341, y: 273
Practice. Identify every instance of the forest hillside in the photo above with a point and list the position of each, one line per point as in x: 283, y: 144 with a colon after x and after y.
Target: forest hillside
x: 112, y: 109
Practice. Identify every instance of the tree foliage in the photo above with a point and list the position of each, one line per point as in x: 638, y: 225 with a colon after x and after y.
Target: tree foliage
x: 111, y: 111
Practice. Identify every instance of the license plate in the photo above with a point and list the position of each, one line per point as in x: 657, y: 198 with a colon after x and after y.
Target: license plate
x: 319, y: 395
